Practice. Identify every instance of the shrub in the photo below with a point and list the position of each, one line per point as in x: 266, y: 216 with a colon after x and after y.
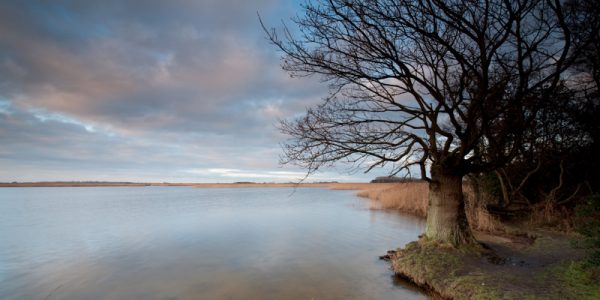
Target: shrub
x: 587, y: 223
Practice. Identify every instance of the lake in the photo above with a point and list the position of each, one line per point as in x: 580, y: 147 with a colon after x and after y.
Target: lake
x: 193, y: 243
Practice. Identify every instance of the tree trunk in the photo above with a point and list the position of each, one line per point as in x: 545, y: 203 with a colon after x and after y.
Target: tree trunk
x: 446, y: 217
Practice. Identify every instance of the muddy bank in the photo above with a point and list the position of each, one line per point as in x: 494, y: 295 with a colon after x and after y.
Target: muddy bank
x: 508, y: 267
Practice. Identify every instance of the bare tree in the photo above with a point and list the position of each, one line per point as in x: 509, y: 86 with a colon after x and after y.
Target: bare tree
x: 443, y: 87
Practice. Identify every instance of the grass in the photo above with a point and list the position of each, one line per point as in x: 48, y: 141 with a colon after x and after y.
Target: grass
x: 546, y: 269
x: 410, y: 197
x: 523, y: 263
x: 435, y: 267
x: 413, y: 198
x: 581, y: 279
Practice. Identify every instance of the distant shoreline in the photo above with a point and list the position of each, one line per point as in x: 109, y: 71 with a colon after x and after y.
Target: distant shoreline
x: 71, y: 184
x: 334, y: 185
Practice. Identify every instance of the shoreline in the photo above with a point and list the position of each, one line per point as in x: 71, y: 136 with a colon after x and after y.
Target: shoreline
x: 538, y: 265
x: 514, y: 263
x: 198, y: 185
x: 70, y: 184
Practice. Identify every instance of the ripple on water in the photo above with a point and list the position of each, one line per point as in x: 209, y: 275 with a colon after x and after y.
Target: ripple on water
x: 182, y: 242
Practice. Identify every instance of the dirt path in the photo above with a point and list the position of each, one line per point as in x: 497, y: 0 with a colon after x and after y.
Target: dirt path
x: 538, y: 252
x: 526, y: 263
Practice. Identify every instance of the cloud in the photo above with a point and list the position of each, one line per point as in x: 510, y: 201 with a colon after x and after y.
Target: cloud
x: 265, y: 175
x: 143, y: 91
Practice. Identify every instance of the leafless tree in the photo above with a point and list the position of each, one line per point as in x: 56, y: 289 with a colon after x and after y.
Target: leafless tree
x: 443, y: 87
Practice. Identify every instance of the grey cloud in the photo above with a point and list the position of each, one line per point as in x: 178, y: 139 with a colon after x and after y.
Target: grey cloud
x: 141, y: 69
x: 168, y: 85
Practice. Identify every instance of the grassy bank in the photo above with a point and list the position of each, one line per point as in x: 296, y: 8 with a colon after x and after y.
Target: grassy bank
x: 512, y: 268
x: 516, y: 261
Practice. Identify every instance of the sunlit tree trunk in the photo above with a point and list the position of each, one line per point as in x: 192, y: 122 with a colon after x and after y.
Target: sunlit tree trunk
x: 446, y: 217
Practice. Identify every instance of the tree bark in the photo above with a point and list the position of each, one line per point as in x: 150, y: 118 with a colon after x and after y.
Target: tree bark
x: 446, y: 218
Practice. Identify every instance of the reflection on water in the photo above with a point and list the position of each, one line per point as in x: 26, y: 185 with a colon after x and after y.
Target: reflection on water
x: 187, y: 243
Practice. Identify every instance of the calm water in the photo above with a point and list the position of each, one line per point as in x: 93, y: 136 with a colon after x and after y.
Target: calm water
x: 188, y: 243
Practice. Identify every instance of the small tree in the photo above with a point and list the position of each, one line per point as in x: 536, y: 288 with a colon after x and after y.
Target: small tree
x: 443, y: 87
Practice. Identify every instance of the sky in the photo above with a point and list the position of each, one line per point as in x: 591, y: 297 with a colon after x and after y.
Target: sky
x: 148, y: 91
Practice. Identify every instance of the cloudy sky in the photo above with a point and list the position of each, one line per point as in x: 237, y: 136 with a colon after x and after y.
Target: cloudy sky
x: 154, y: 90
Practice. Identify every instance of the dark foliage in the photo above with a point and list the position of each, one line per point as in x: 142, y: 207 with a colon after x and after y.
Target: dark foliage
x: 588, y: 225
x: 445, y: 88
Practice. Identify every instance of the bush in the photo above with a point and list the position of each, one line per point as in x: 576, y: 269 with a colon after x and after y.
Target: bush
x: 587, y: 223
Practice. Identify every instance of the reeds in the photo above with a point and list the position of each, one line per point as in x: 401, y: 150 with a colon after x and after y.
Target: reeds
x: 549, y: 214
x: 479, y: 217
x: 413, y: 198
x: 409, y: 197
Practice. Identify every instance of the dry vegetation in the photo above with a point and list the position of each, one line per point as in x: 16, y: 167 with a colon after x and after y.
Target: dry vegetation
x: 479, y: 217
x: 410, y: 197
x: 549, y: 215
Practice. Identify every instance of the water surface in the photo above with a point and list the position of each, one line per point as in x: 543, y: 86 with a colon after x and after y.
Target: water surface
x: 189, y: 243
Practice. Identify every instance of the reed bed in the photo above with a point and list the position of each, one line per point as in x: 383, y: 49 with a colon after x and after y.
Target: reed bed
x: 413, y: 198
x: 549, y: 214
x: 479, y: 217
x: 409, y: 197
